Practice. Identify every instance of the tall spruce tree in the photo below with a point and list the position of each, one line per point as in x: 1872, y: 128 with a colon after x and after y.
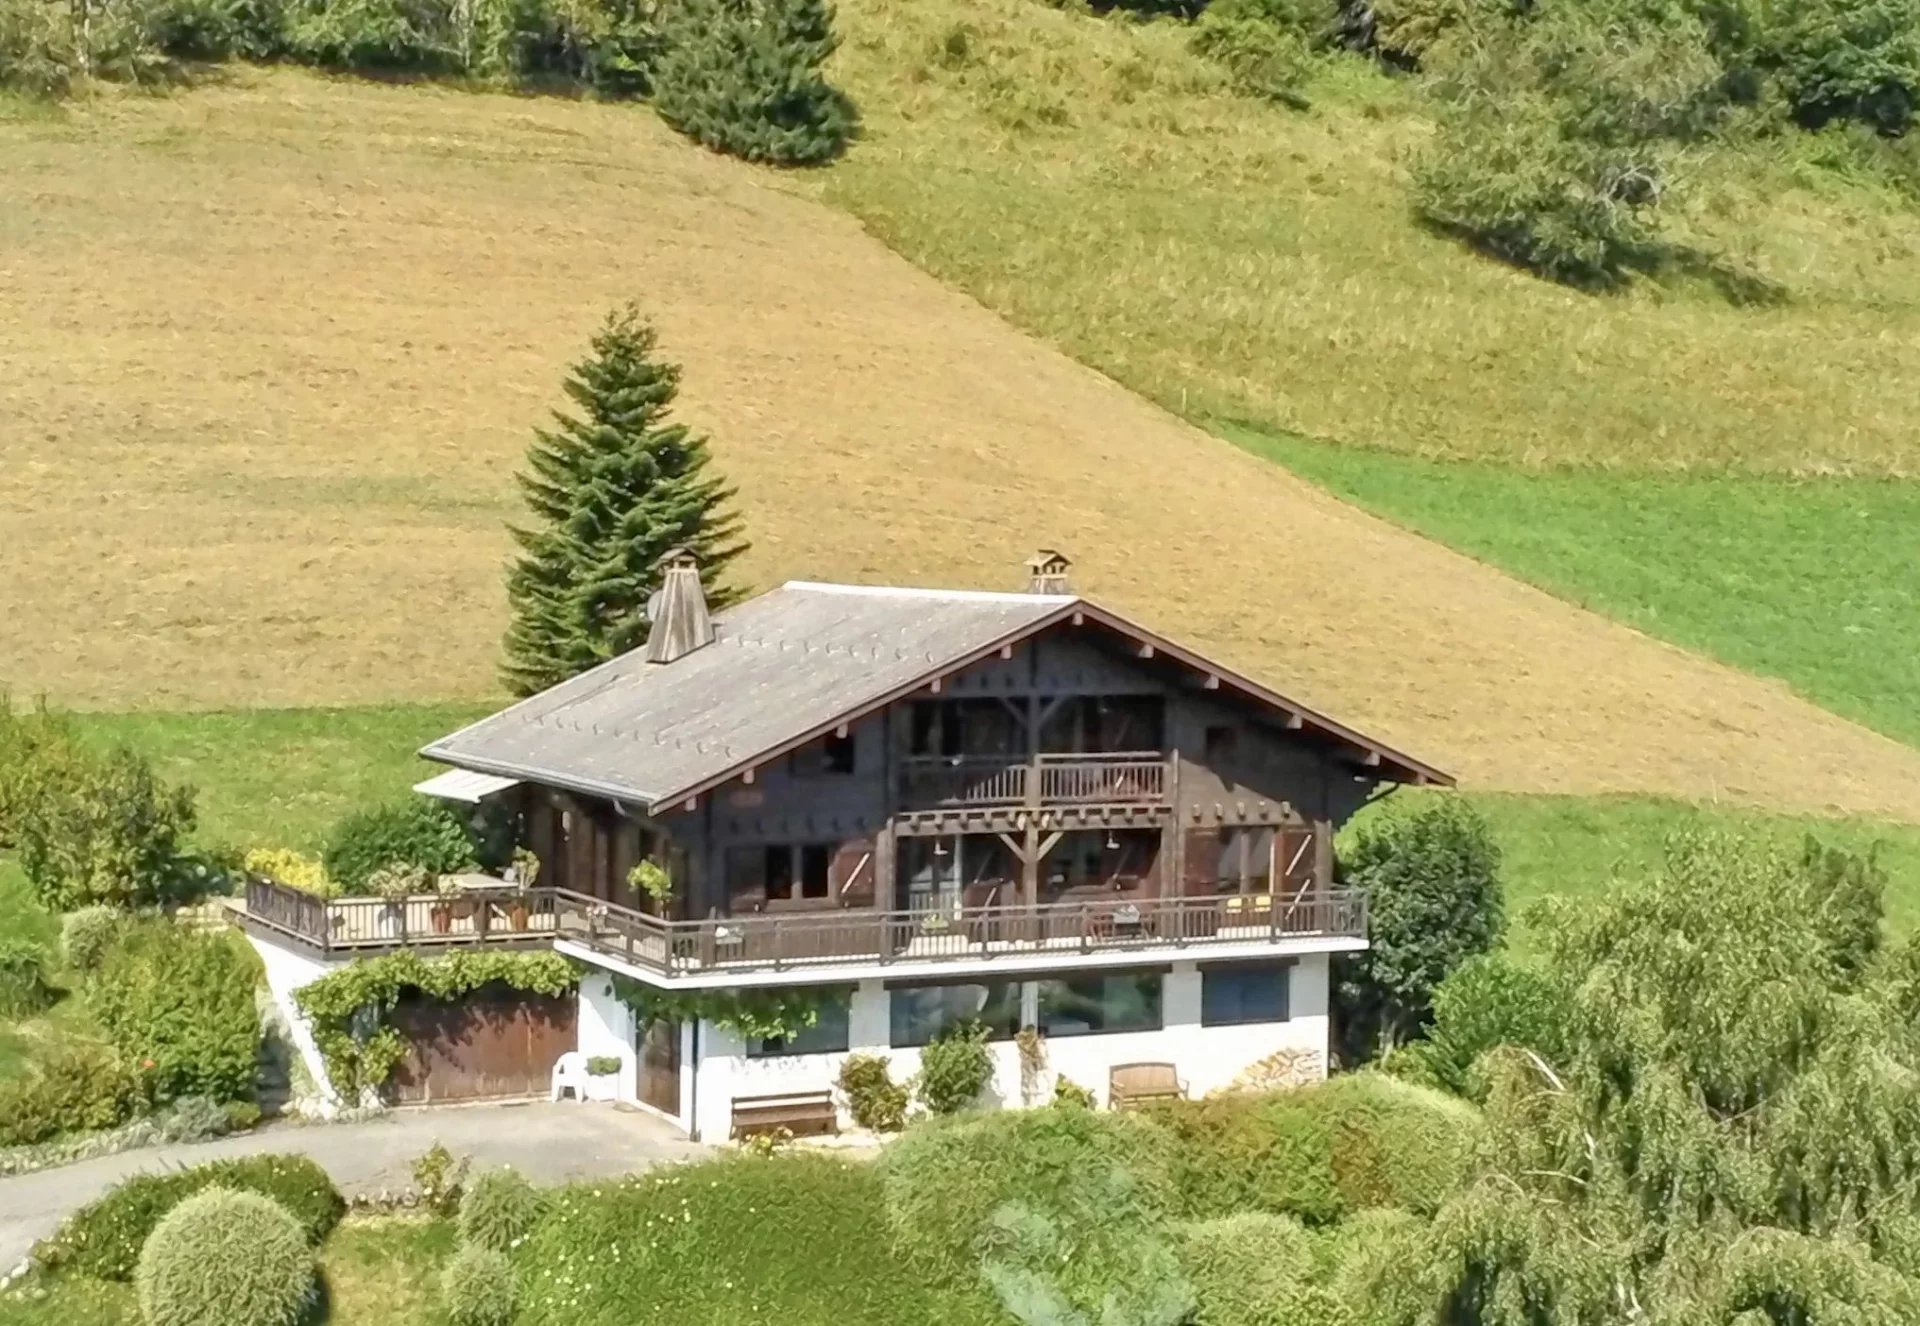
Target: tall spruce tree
x: 612, y: 488
x: 745, y: 77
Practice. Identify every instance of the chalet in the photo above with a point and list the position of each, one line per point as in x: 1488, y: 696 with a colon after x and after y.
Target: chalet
x: 925, y: 807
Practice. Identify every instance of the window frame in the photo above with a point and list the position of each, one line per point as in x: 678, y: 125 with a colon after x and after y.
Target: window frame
x: 1015, y: 994
x: 1157, y: 975
x: 1283, y: 970
x: 759, y: 1049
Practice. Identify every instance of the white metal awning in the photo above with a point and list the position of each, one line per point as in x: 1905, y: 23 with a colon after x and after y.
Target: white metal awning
x: 464, y: 785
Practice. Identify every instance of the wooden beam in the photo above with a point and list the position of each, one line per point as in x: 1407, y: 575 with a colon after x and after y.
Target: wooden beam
x: 1014, y: 845
x: 1051, y: 841
x: 1006, y: 651
x: 1146, y: 651
x: 935, y: 685
x: 1295, y: 722
x: 1212, y: 683
x: 841, y: 732
x: 1079, y: 619
x: 1373, y: 759
x: 749, y: 775
x: 691, y: 803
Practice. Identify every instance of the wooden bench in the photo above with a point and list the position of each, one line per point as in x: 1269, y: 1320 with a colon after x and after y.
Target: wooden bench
x: 801, y: 1113
x: 1133, y: 1085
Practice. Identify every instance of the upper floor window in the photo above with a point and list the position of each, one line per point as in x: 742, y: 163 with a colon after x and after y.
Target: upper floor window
x: 798, y: 872
x: 1103, y: 724
x: 1223, y: 742
x: 962, y: 728
x: 829, y: 755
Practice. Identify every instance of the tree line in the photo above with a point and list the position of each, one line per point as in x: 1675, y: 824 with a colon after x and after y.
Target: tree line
x: 740, y: 76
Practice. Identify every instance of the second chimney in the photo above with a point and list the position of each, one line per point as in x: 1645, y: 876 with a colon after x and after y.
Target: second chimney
x: 1047, y: 572
x: 677, y: 620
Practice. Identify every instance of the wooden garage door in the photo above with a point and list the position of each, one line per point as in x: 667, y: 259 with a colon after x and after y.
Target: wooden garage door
x: 494, y: 1042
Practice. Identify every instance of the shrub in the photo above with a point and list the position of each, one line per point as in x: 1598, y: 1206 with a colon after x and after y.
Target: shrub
x: 23, y: 978
x: 441, y: 1179
x: 87, y: 934
x: 103, y: 1239
x: 477, y: 1287
x: 195, y: 1119
x: 1254, y: 1269
x: 1262, y: 59
x: 1489, y: 1000
x: 419, y: 832
x: 499, y: 1209
x: 225, y: 1258
x: 296, y: 870
x: 955, y: 1068
x: 1068, y: 1092
x: 99, y: 829
x: 603, y: 1065
x: 1847, y: 59
x: 874, y: 1099
x: 181, y: 1000
x: 1319, y: 1152
x: 945, y: 1178
x: 735, y: 1239
x: 745, y: 77
x: 1433, y: 886
x: 77, y: 1086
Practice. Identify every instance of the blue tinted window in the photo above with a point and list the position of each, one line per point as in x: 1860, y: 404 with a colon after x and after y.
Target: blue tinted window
x: 1243, y: 994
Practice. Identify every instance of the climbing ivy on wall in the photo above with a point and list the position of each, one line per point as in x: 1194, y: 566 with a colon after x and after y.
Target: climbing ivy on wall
x: 348, y: 1007
x: 755, y: 1015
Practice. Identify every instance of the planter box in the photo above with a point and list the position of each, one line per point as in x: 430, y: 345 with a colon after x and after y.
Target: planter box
x: 603, y: 1087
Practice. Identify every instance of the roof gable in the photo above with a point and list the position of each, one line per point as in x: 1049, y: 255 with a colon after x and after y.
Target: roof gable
x: 789, y: 666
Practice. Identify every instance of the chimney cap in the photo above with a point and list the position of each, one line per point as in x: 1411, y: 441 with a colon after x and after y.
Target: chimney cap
x: 1049, y: 559
x: 679, y: 555
x: 1047, y: 572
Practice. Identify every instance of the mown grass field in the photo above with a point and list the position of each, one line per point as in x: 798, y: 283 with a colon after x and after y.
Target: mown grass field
x: 290, y: 486
x: 1811, y: 581
x: 1242, y: 262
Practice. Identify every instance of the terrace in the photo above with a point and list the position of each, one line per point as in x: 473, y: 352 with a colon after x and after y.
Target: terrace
x: 799, y: 942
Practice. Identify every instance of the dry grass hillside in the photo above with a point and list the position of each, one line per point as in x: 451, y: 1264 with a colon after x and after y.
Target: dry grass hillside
x: 269, y: 353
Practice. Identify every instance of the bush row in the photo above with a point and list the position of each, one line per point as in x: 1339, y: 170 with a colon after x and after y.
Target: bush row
x: 104, y: 1239
x: 179, y: 1004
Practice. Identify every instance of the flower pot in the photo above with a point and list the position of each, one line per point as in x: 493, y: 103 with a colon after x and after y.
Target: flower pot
x: 518, y: 915
x: 392, y: 920
x: 442, y: 919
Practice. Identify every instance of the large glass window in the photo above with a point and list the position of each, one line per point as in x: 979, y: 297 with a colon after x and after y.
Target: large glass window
x: 1123, y: 1001
x: 1100, y: 858
x: 1233, y: 995
x: 922, y: 1012
x: 828, y: 1034
x: 1246, y: 859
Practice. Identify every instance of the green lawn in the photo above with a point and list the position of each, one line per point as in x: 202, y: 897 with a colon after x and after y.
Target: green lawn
x: 280, y: 777
x: 377, y: 1272
x: 1812, y: 582
x: 1577, y: 846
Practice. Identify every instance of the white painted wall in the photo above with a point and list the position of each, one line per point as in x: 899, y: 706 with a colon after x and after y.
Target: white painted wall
x: 606, y: 1028
x: 1206, y: 1058
x: 288, y: 968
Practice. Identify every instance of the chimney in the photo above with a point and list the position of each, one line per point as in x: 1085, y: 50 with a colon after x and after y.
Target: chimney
x: 1047, y: 572
x: 677, y: 616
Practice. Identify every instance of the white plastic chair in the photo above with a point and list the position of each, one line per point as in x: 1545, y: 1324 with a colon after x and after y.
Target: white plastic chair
x: 570, y: 1074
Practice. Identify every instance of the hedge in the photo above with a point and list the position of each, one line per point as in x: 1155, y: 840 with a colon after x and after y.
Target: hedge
x: 418, y: 832
x: 1255, y: 1269
x: 797, y: 1238
x: 499, y: 1209
x: 946, y: 1178
x: 1317, y: 1153
x: 103, y: 1239
x: 77, y: 1086
x: 181, y: 1001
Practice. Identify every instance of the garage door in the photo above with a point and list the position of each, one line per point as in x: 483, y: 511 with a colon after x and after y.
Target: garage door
x: 496, y: 1041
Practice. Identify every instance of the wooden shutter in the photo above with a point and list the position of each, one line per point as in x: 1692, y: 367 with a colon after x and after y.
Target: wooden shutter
x: 1202, y: 869
x: 1294, y: 866
x: 850, y: 873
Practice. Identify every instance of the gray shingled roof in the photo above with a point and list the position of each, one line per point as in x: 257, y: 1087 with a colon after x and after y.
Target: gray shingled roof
x: 782, y: 665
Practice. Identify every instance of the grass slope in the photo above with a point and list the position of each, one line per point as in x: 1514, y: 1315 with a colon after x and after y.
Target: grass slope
x: 1096, y: 183
x: 1811, y: 582
x: 309, y: 496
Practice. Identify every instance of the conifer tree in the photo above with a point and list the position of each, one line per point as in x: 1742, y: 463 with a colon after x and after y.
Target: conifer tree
x: 612, y: 488
x: 745, y: 77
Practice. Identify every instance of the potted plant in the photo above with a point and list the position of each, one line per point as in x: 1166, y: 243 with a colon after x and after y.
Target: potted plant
x: 394, y: 884
x: 603, y: 1077
x: 447, y: 892
x: 524, y: 870
x: 650, y: 879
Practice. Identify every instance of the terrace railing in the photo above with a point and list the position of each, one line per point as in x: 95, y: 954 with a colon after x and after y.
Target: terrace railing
x: 1133, y: 777
x: 841, y: 937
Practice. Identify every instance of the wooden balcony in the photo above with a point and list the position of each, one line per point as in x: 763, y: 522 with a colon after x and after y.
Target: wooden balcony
x: 803, y: 941
x: 1128, y: 778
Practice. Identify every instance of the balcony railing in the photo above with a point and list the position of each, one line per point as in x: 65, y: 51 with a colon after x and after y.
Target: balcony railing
x: 1132, y: 778
x: 842, y: 937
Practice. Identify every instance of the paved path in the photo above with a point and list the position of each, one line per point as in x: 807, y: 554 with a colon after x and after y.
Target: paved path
x: 548, y: 1143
